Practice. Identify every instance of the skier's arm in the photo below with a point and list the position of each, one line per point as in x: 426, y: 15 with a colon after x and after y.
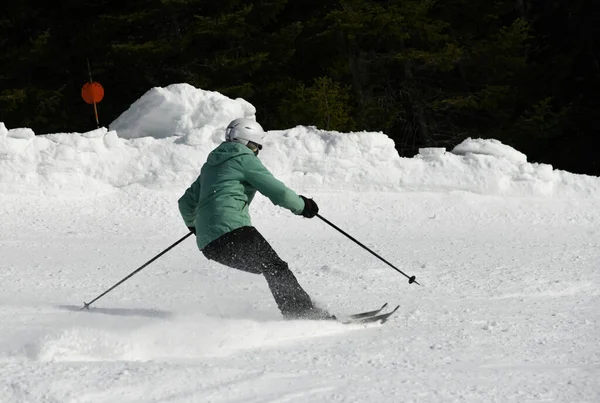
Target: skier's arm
x: 257, y: 175
x: 188, y: 203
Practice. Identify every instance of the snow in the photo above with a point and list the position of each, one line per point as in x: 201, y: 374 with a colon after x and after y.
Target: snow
x: 180, y: 109
x: 152, y: 156
x: 489, y: 147
x: 506, y: 251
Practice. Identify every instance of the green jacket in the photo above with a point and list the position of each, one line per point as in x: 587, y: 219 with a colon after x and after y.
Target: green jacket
x: 218, y: 201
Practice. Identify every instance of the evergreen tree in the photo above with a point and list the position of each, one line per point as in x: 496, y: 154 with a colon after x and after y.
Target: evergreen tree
x: 427, y: 72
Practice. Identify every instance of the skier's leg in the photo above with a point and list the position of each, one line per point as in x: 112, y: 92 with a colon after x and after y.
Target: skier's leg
x: 246, y: 249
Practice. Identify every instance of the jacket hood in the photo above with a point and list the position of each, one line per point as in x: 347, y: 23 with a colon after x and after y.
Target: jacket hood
x: 226, y: 151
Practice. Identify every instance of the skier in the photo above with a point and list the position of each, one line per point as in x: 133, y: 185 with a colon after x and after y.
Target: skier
x: 215, y: 208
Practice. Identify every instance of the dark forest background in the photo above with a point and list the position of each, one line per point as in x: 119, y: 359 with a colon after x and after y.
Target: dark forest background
x: 426, y: 72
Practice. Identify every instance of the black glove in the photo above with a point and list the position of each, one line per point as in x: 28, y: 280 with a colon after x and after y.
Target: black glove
x: 310, y: 208
x: 192, y: 230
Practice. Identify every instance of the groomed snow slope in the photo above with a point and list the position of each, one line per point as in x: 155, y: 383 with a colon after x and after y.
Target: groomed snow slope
x: 506, y: 252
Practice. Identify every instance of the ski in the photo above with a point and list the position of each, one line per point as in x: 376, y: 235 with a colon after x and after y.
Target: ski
x: 362, y: 317
x: 382, y: 318
x: 367, y: 314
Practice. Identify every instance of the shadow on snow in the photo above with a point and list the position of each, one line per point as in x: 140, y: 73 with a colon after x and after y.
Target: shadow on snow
x: 149, y: 313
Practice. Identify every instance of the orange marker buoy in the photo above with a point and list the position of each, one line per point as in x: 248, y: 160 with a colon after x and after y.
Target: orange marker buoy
x: 92, y: 92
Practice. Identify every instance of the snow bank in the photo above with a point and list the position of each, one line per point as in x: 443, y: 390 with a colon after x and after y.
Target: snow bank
x: 490, y: 167
x: 162, y: 140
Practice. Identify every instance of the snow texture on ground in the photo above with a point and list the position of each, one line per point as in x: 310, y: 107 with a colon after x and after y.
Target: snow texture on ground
x: 506, y: 252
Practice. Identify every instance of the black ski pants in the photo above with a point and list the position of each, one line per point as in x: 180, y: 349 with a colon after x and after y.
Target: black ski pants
x: 247, y: 250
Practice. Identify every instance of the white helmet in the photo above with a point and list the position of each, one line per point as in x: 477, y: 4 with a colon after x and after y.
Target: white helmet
x: 245, y: 130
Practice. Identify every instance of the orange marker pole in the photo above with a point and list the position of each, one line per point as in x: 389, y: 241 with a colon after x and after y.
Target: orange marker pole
x: 92, y: 93
x: 96, y: 113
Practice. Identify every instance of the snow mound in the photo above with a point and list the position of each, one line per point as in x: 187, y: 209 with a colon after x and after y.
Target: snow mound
x: 23, y: 133
x: 489, y: 147
x: 177, y: 110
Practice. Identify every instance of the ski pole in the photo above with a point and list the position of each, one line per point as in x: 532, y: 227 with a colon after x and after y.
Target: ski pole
x: 411, y: 279
x: 86, y: 305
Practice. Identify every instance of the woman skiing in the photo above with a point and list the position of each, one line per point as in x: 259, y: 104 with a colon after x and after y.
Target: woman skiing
x: 215, y: 209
